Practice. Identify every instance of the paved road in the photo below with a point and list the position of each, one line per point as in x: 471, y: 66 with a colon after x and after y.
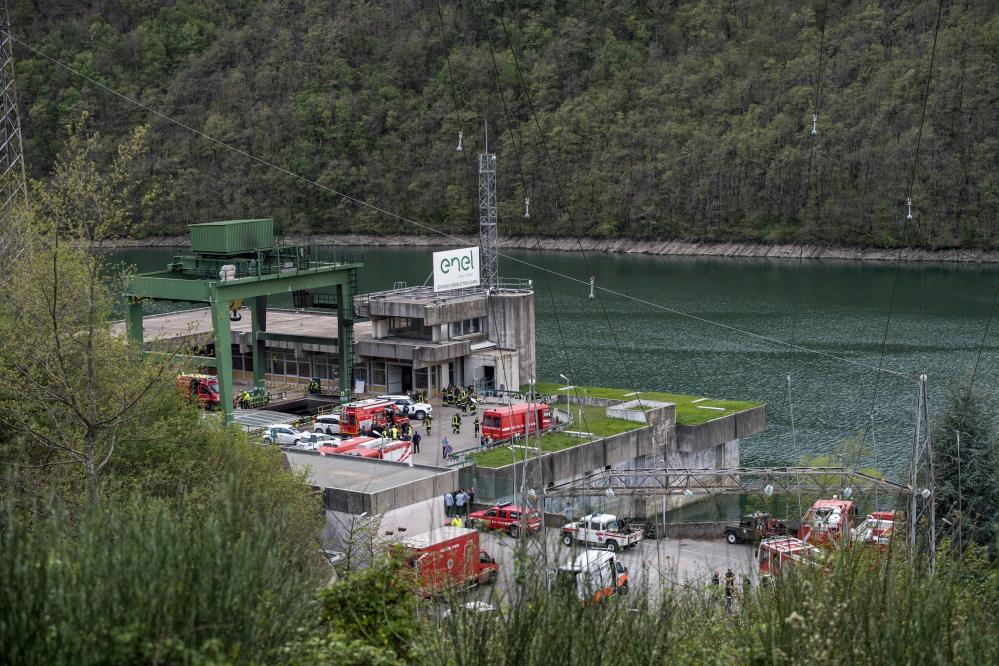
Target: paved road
x: 431, y: 446
x: 669, y: 563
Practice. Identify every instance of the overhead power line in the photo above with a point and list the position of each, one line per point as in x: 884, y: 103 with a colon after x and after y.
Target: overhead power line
x: 396, y: 216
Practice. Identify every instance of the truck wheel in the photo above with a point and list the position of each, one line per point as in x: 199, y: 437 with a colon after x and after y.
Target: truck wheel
x: 493, y: 575
x: 567, y: 539
x: 420, y: 415
x: 612, y: 546
x: 295, y: 442
x: 514, y: 531
x: 731, y: 538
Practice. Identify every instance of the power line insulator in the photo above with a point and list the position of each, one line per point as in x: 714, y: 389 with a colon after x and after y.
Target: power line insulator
x: 461, y: 136
x: 815, y: 122
x: 527, y: 207
x: 908, y: 203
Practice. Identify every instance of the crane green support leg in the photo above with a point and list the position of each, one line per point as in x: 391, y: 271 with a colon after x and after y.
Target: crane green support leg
x: 223, y: 356
x: 259, y: 325
x: 133, y: 321
x: 345, y: 339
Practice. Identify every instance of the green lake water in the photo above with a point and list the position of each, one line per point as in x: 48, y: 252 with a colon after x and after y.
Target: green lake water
x: 938, y: 321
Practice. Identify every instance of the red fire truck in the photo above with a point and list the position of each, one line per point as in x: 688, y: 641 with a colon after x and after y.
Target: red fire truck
x: 345, y: 445
x: 449, y: 557
x: 521, y: 419
x: 775, y: 553
x: 875, y: 530
x: 204, y: 388
x: 828, y: 521
x: 397, y: 450
x: 361, y: 416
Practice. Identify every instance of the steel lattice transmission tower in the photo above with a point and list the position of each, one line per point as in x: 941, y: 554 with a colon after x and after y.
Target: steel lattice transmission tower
x: 13, y: 181
x: 489, y: 274
x: 922, y: 532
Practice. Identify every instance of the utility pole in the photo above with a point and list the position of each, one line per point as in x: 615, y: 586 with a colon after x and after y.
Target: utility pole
x: 13, y: 180
x: 489, y: 273
x: 922, y: 484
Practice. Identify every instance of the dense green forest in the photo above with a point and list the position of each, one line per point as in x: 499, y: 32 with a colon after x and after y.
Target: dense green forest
x: 645, y: 119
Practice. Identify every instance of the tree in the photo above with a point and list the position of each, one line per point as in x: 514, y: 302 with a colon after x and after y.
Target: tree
x: 967, y: 462
x: 68, y: 385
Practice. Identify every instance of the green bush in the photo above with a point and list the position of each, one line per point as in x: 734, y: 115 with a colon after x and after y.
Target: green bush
x: 149, y: 580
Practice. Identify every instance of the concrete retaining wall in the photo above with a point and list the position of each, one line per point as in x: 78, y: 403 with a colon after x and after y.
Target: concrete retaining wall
x: 692, y: 438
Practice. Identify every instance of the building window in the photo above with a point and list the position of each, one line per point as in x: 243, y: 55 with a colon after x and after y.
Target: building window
x: 325, y: 366
x: 241, y: 361
x: 378, y: 372
x: 283, y: 362
x: 466, y: 327
x: 421, y: 378
x: 409, y: 327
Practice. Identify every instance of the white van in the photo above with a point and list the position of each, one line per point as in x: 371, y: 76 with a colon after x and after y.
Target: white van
x: 593, y: 576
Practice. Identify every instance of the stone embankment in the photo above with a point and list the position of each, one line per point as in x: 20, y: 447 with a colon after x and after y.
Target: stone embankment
x: 655, y: 248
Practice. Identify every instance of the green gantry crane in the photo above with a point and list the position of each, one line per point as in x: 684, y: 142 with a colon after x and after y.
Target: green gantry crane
x: 238, y: 261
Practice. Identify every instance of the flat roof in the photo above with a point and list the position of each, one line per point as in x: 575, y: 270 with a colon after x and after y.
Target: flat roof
x: 362, y: 475
x: 425, y: 295
x: 198, y: 321
x: 436, y: 535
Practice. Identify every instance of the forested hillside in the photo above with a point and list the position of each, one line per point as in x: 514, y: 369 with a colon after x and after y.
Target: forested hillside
x: 662, y: 119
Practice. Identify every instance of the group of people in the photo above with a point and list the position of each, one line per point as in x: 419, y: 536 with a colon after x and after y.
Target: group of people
x: 462, y: 397
x: 457, y: 503
x: 730, y: 585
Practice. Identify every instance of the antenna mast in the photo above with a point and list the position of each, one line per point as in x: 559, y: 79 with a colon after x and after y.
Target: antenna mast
x: 13, y: 181
x: 922, y: 501
x: 487, y: 217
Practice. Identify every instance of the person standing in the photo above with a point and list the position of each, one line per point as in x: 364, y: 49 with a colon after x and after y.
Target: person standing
x: 456, y: 424
x: 416, y: 442
x: 428, y: 423
x: 729, y: 588
x: 475, y: 425
x: 460, y: 501
x: 448, y: 504
x: 471, y: 496
x: 446, y: 449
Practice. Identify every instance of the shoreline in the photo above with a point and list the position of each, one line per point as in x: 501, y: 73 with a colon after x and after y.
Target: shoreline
x: 628, y: 246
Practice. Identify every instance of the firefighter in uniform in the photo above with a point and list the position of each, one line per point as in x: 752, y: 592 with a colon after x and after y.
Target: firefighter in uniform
x: 456, y: 424
x: 473, y: 405
x: 475, y: 425
x: 427, y: 423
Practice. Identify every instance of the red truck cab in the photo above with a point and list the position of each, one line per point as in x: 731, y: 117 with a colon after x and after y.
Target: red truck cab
x: 521, y: 419
x: 203, y: 388
x: 363, y: 415
x: 776, y: 553
x: 828, y: 522
x: 448, y: 557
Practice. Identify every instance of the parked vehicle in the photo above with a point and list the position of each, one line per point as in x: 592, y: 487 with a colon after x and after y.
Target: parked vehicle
x: 340, y: 446
x: 407, y: 406
x: 361, y: 416
x: 380, y: 449
x: 776, y: 553
x: 601, y: 529
x: 876, y: 530
x: 505, y: 518
x: 520, y: 420
x: 449, y: 557
x: 313, y: 441
x: 592, y: 577
x: 283, y: 434
x: 755, y: 527
x: 828, y: 521
x: 327, y: 423
x: 203, y: 388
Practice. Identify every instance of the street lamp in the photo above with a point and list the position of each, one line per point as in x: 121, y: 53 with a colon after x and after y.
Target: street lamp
x: 568, y: 387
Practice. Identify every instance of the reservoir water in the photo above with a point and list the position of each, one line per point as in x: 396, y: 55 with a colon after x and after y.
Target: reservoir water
x: 937, y: 325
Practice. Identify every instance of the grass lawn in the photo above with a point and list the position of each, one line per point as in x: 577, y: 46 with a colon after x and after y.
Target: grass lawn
x: 688, y: 412
x: 594, y: 420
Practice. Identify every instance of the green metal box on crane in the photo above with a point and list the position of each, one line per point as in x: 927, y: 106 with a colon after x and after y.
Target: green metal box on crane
x: 232, y: 236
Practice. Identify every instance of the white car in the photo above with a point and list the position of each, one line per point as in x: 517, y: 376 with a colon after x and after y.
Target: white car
x: 409, y: 407
x: 283, y: 433
x: 312, y: 441
x: 327, y: 423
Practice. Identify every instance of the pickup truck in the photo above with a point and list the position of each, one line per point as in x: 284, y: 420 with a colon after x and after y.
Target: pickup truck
x: 755, y: 527
x: 409, y: 407
x: 283, y: 434
x: 601, y: 529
